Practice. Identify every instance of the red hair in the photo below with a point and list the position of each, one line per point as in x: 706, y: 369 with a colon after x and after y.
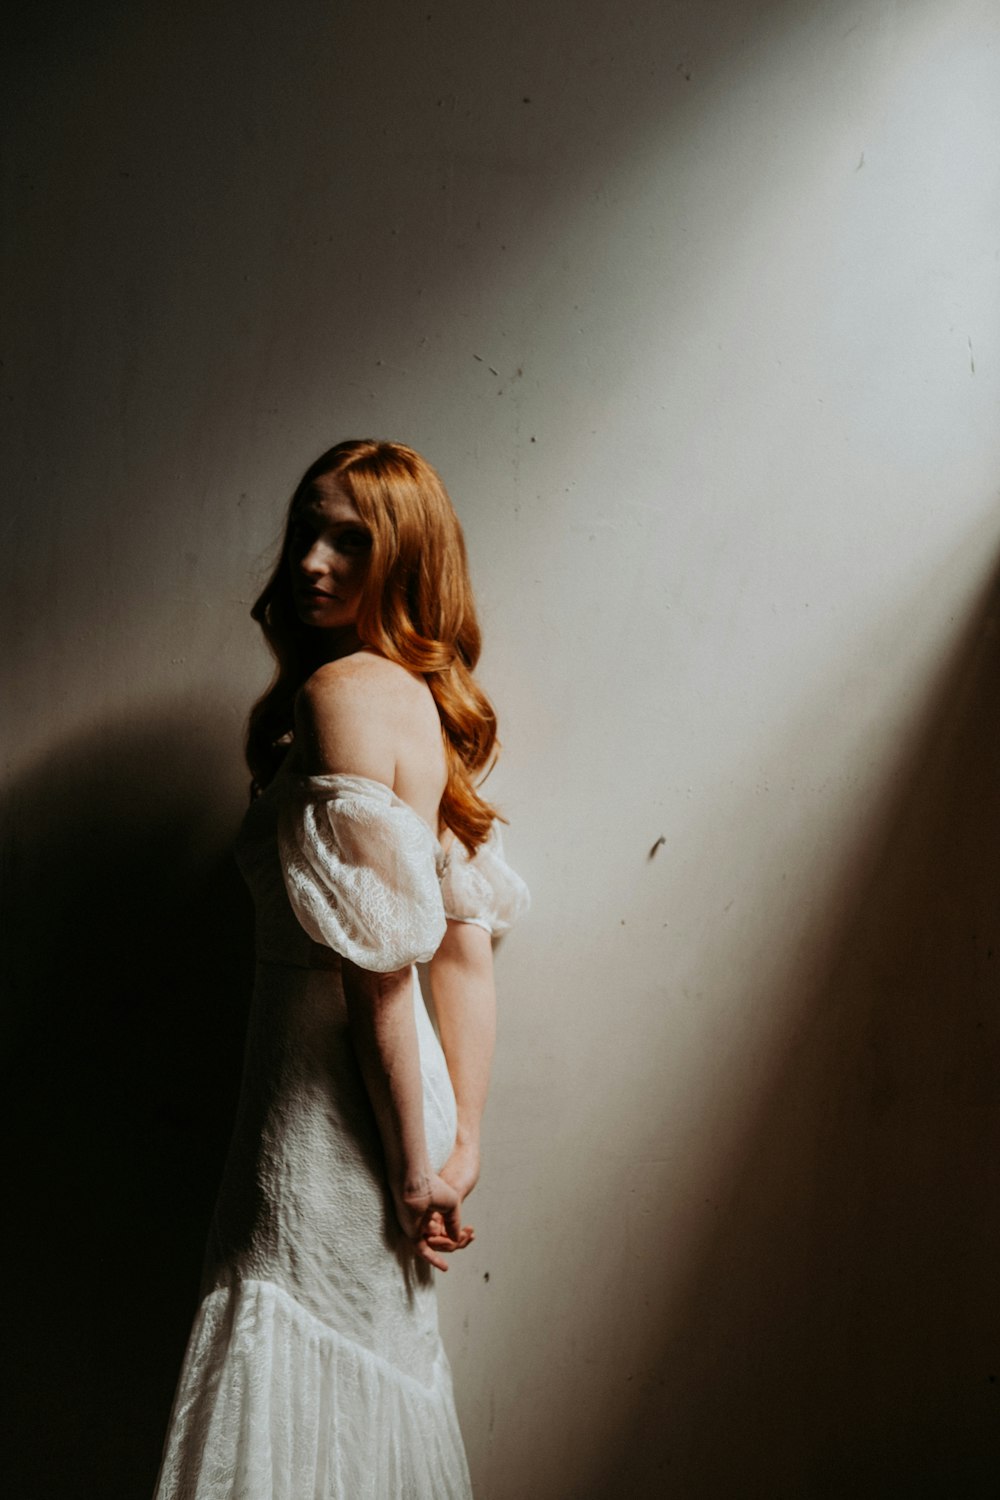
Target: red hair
x: 416, y: 608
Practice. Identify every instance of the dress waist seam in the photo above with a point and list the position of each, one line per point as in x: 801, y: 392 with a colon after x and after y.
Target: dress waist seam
x: 256, y: 1284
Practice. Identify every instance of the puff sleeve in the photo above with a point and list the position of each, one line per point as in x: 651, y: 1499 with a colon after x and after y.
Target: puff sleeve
x: 482, y: 888
x: 360, y: 870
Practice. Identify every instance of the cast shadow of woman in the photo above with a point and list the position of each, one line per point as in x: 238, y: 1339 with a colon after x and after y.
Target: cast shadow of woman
x: 128, y: 956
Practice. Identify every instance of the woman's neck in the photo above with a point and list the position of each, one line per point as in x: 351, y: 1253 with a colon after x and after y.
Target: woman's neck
x: 331, y: 645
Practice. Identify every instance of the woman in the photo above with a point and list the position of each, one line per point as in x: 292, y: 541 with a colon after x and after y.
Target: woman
x: 315, y: 1368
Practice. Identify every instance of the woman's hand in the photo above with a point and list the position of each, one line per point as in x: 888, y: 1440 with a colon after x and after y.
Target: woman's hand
x: 429, y: 1214
x: 461, y: 1170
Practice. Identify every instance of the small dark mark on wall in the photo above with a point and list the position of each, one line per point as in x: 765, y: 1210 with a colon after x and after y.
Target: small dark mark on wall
x: 486, y: 1275
x: 659, y: 844
x: 972, y: 358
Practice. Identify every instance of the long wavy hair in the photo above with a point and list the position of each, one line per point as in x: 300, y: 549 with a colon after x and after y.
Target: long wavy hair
x: 416, y: 608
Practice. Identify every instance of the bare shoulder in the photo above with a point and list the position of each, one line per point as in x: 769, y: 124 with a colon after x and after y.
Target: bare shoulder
x: 352, y: 716
x: 361, y: 683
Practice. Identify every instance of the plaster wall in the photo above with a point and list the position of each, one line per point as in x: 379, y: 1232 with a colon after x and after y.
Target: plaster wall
x: 694, y: 306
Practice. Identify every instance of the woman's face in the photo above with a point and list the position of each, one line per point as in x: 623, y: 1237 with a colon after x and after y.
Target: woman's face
x: 329, y: 547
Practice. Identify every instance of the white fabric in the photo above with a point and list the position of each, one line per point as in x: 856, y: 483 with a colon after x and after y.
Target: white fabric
x: 315, y: 1370
x: 482, y: 888
x: 265, y: 1379
x: 360, y: 871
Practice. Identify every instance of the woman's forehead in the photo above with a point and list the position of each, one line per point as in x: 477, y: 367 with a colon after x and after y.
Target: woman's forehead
x: 327, y: 500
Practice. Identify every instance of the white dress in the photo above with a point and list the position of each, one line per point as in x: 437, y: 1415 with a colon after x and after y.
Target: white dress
x: 315, y: 1370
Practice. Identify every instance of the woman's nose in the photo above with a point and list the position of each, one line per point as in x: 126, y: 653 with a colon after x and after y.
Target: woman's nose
x: 316, y: 561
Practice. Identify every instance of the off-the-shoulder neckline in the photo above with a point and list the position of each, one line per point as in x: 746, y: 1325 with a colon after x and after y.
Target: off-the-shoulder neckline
x: 385, y: 791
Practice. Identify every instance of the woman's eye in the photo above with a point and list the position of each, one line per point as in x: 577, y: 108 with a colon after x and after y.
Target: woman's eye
x: 353, y: 541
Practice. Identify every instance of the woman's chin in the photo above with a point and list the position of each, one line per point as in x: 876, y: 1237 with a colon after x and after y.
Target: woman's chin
x: 322, y: 617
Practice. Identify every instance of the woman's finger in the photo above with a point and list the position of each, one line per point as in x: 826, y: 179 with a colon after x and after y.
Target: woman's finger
x: 433, y: 1257
x: 453, y: 1222
x: 447, y: 1243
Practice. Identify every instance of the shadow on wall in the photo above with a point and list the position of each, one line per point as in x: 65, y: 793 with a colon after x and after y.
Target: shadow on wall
x: 129, y: 962
x: 841, y: 1331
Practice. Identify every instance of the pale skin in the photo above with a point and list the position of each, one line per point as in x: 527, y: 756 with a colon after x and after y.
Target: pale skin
x: 363, y: 715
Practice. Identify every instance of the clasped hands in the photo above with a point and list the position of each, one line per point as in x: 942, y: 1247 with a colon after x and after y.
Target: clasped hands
x: 430, y: 1212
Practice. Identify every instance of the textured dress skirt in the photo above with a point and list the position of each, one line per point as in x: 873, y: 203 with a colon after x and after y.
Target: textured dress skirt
x: 315, y: 1370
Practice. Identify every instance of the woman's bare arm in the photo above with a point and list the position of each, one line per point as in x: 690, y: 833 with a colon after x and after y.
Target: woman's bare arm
x: 464, y: 994
x: 380, y: 1010
x: 345, y: 724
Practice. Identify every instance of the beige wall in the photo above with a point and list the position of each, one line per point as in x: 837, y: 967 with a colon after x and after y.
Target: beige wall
x: 695, y: 308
